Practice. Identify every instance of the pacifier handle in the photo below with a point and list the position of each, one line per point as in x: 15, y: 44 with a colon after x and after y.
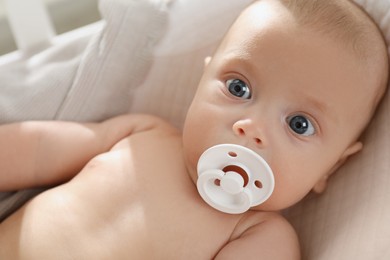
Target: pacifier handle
x: 211, y: 189
x: 232, y: 183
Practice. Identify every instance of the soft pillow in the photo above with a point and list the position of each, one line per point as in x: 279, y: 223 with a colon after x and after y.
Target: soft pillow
x: 81, y: 78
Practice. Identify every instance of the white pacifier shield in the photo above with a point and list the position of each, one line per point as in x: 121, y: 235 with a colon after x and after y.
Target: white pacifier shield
x: 233, y: 178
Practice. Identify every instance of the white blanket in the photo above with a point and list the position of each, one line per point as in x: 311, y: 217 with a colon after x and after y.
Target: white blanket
x: 91, y: 77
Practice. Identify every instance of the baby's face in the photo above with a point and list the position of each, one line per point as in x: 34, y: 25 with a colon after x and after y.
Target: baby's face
x: 291, y: 95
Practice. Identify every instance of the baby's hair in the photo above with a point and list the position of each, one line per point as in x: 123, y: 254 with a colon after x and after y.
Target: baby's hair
x: 341, y: 19
x: 345, y: 21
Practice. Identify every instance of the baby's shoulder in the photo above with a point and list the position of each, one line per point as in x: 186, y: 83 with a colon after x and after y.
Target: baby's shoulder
x: 157, y: 122
x: 267, y: 234
x: 140, y: 123
x: 264, y: 222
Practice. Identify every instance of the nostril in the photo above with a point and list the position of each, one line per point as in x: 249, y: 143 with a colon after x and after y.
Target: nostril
x: 257, y: 140
x: 241, y: 131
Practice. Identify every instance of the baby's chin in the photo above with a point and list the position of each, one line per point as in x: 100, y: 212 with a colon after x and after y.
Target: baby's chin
x: 268, y: 207
x: 276, y: 203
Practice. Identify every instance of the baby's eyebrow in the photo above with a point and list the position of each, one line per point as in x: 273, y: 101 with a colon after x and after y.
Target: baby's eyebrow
x: 316, y: 103
x: 241, y: 58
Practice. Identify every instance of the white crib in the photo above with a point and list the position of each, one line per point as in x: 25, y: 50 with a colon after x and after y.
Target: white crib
x: 33, y: 30
x: 30, y: 23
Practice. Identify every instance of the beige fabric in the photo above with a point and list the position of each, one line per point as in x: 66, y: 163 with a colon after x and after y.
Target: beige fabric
x: 81, y: 78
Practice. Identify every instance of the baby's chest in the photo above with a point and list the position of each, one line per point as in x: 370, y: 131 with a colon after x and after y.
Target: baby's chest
x: 147, y: 198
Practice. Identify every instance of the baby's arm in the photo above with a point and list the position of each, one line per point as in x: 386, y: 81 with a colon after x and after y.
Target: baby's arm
x: 39, y: 153
x: 256, y: 238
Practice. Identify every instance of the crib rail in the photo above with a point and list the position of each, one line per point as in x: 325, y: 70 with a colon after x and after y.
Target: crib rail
x: 30, y: 23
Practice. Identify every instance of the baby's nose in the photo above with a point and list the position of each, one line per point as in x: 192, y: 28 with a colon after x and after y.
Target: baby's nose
x: 248, y: 129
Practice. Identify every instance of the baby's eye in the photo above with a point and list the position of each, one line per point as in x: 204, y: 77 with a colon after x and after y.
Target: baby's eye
x: 301, y: 125
x: 238, y: 88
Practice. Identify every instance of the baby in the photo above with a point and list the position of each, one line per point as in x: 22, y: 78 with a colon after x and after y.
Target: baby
x: 295, y: 81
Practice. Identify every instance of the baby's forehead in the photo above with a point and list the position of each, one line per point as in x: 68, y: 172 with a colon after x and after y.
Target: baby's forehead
x: 339, y: 20
x: 342, y: 20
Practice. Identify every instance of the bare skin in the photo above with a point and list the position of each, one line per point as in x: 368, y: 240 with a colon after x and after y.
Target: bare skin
x: 134, y: 201
x: 129, y: 182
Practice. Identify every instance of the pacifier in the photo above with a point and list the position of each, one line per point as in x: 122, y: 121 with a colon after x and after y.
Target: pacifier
x: 233, y: 178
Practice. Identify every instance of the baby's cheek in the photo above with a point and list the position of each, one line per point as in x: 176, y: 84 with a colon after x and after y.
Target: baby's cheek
x: 289, y: 187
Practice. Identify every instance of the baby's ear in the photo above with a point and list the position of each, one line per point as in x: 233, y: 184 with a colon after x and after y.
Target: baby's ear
x: 321, y: 185
x: 207, y: 61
